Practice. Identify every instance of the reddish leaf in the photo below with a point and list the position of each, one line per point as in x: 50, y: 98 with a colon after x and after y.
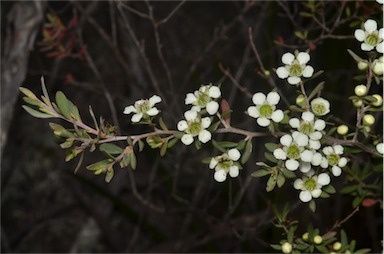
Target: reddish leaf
x: 368, y: 202
x: 226, y: 108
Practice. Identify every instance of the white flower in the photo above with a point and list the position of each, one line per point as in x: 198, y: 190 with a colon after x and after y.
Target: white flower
x: 370, y: 37
x: 143, y: 108
x: 265, y: 108
x: 320, y: 106
x: 333, y: 159
x: 225, y: 164
x: 310, y: 185
x: 310, y: 127
x: 204, y: 98
x: 293, y: 150
x: 295, y: 67
x: 194, y: 126
x: 380, y: 148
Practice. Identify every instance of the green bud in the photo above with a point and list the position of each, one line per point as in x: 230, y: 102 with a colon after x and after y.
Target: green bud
x: 361, y: 90
x: 362, y: 66
x: 379, y: 100
x: 342, y: 129
x: 368, y: 120
x: 317, y: 239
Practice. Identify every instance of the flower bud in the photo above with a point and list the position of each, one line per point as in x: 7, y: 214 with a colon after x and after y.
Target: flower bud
x: 357, y: 103
x: 380, y: 148
x: 336, y: 246
x: 286, y: 247
x: 362, y: 66
x: 342, y: 129
x: 267, y: 73
x: 305, y: 236
x: 379, y: 100
x: 317, y: 239
x: 361, y: 90
x: 368, y: 120
x: 378, y: 67
x: 300, y: 100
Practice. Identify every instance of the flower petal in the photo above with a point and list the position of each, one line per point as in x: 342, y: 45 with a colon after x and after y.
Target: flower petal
x: 338, y: 149
x: 305, y: 167
x: 288, y: 58
x: 182, y: 125
x: 190, y: 115
x: 370, y: 25
x: 205, y: 136
x: 342, y: 162
x: 205, y: 122
x: 214, y: 92
x: 336, y: 171
x: 187, y: 139
x: 154, y: 99
x: 303, y: 58
x: 253, y: 112
x: 234, y: 154
x: 277, y: 116
x: 292, y: 164
x: 279, y: 154
x: 153, y: 111
x: 234, y: 171
x: 273, y: 98
x: 316, y: 193
x: 220, y: 176
x: 258, y: 98
x: 294, y: 123
x: 282, y: 72
x: 305, y: 196
x: 191, y: 98
x: 380, y: 47
x: 212, y: 107
x: 315, y: 135
x: 213, y: 163
x: 360, y: 35
x: 319, y: 124
x: 308, y: 71
x: 366, y: 47
x: 286, y: 140
x: 306, y: 156
x: 129, y: 110
x: 137, y: 117
x: 314, y: 144
x: 308, y: 116
x: 298, y: 184
x: 323, y: 179
x: 263, y: 122
x: 294, y: 80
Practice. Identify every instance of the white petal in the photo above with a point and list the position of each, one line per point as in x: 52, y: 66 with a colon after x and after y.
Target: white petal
x: 129, y: 110
x: 282, y: 72
x: 253, y: 112
x: 190, y: 115
x: 277, y: 116
x: 306, y: 156
x: 315, y: 135
x: 273, y: 98
x: 187, y: 139
x: 279, y: 154
x: 205, y: 136
x: 324, y: 163
x: 153, y: 111
x: 310, y: 173
x: 182, y: 125
x: 336, y: 171
x: 220, y: 176
x: 294, y: 80
x: 286, y: 140
x: 308, y: 71
x: 234, y: 154
x: 303, y: 58
x: 305, y: 167
x: 323, y: 179
x: 342, y: 162
x: 380, y: 47
x: 316, y: 193
x: 381, y: 33
x: 292, y: 164
x: 316, y: 159
x: 298, y: 184
x: 258, y: 98
x: 301, y: 139
x: 214, y: 92
x: 380, y: 148
x: 136, y: 117
x: 294, y: 123
x: 212, y: 107
x: 205, y: 122
x: 327, y: 150
x: 213, y: 163
x: 263, y: 122
x: 360, y: 35
x: 154, y: 99
x: 288, y: 58
x: 370, y: 25
x: 191, y: 98
x: 338, y: 149
x: 234, y: 171
x: 366, y: 47
x: 314, y: 144
x: 308, y: 116
x: 319, y: 124
x: 305, y: 196
x: 196, y: 108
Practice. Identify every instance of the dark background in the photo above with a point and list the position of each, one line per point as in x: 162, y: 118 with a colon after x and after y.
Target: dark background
x: 46, y: 208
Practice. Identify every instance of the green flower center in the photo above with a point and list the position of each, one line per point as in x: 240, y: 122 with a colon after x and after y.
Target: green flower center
x: 306, y: 128
x: 266, y: 110
x: 372, y: 39
x: 295, y: 70
x: 293, y: 152
x: 224, y: 162
x: 143, y: 107
x: 319, y: 109
x: 194, y: 128
x: 203, y: 99
x: 333, y: 159
x: 310, y: 184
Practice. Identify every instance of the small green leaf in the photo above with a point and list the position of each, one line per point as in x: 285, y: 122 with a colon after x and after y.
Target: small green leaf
x: 356, y: 57
x: 322, y: 249
x: 65, y: 105
x: 28, y: 93
x: 329, y: 189
x: 163, y: 148
x: 312, y: 205
x: 33, y: 101
x: 363, y: 251
x: 36, y: 113
x: 270, y: 157
x: 162, y: 124
x: 218, y: 146
x: 280, y: 180
x: 329, y: 235
x: 67, y: 144
x: 111, y: 149
x: 356, y: 201
x: 241, y: 145
x: 173, y: 142
x: 109, y: 175
x: 104, y: 164
x: 287, y: 173
x: 260, y: 173
x: 271, y: 147
x: 324, y: 195
x: 247, y: 152
x: 343, y: 238
x: 133, y: 160
x: 316, y: 90
x: 228, y: 144
x: 290, y: 234
x: 141, y: 145
x: 348, y: 189
x: 271, y: 183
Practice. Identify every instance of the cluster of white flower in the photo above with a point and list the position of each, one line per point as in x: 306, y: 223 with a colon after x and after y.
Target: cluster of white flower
x: 195, y: 124
x: 265, y: 108
x: 225, y: 164
x: 143, y: 109
x: 370, y: 37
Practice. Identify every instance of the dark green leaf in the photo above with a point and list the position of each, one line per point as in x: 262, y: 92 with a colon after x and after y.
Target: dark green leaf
x: 241, y: 145
x: 287, y: 173
x: 270, y: 157
x: 356, y: 201
x: 33, y: 101
x: 348, y: 189
x: 104, y: 164
x: 324, y: 195
x: 271, y: 184
x: 312, y: 205
x: 343, y: 238
x: 64, y: 105
x: 218, y: 146
x: 109, y: 175
x: 362, y: 251
x: 133, y: 160
x: 36, y: 113
x: 162, y: 124
x: 271, y: 147
x: 173, y: 142
x: 290, y: 234
x: 163, y: 148
x: 280, y: 180
x: 247, y: 152
x: 141, y: 145
x: 260, y: 173
x: 322, y: 249
x: 356, y: 57
x: 228, y: 144
x: 111, y: 149
x: 329, y: 189
x: 316, y: 90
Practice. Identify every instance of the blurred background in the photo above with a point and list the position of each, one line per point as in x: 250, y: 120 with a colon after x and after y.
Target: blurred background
x: 109, y: 54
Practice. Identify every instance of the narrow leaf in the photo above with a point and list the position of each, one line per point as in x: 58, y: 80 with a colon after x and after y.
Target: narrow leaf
x: 28, y: 93
x: 111, y: 149
x: 248, y: 151
x: 36, y: 113
x: 109, y: 175
x: 316, y: 90
x: 162, y: 124
x: 260, y: 173
x: 163, y: 148
x: 133, y: 160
